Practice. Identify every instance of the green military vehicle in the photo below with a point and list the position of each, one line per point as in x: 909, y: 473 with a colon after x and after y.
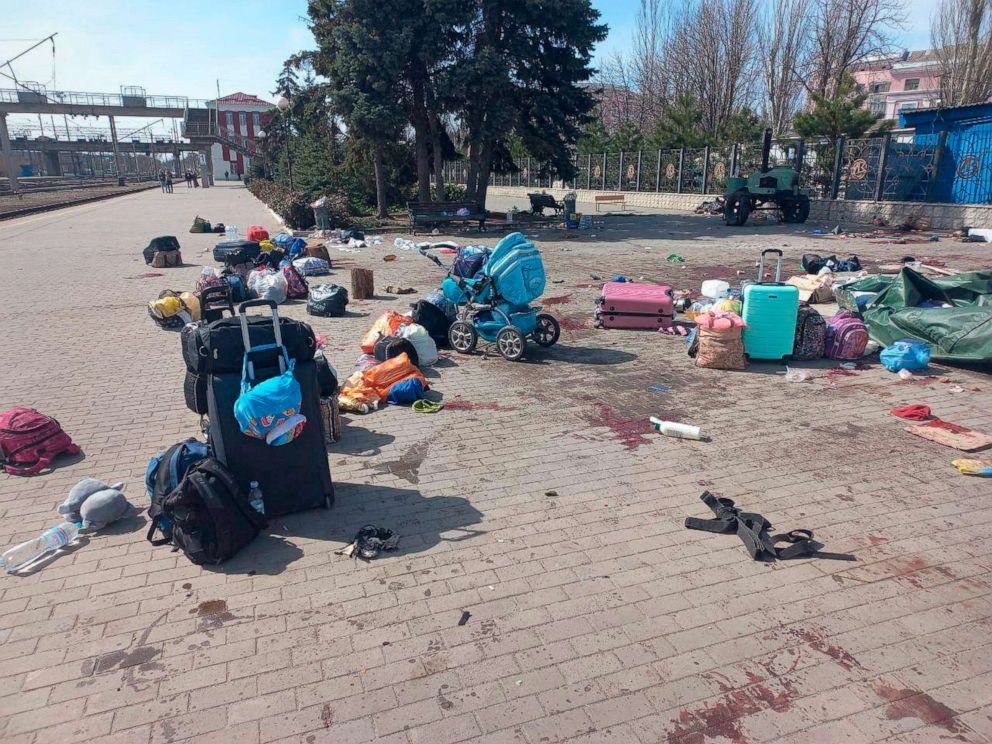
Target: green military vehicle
x: 769, y: 188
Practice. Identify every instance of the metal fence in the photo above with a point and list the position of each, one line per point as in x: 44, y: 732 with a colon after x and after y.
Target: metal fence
x: 954, y: 168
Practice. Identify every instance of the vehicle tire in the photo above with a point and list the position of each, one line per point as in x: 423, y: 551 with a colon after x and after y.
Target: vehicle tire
x: 795, y: 210
x: 511, y: 344
x: 737, y: 209
x: 463, y: 337
x: 547, y: 331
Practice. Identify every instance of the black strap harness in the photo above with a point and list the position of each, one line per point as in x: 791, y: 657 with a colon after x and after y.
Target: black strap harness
x: 753, y: 530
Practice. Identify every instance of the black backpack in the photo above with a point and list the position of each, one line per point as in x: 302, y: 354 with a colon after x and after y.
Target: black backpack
x: 432, y: 318
x: 388, y: 347
x: 208, y: 515
x: 163, y: 243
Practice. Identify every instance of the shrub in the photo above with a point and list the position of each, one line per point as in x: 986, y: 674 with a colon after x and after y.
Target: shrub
x: 294, y: 206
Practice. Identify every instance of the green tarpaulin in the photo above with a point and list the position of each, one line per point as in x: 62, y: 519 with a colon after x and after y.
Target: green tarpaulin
x: 961, y: 332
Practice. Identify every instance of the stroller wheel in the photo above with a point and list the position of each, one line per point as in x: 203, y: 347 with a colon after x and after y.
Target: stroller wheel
x: 462, y: 337
x: 547, y: 331
x: 510, y: 343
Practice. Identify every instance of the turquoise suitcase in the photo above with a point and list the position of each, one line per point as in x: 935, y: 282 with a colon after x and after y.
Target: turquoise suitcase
x: 770, y: 312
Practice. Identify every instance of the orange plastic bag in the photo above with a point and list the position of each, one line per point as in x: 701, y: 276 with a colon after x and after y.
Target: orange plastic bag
x: 386, y: 324
x: 383, y: 376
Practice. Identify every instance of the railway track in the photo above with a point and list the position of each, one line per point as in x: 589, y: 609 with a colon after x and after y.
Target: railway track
x: 12, y: 207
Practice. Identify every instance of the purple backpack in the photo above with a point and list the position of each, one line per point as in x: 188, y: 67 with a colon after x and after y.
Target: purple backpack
x: 847, y: 336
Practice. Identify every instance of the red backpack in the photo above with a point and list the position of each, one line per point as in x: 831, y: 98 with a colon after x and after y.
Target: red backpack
x: 30, y: 440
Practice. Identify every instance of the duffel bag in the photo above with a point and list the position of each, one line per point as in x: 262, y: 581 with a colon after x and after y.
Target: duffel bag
x: 209, y: 516
x: 327, y: 300
x: 218, y: 348
x: 388, y: 347
x: 233, y: 252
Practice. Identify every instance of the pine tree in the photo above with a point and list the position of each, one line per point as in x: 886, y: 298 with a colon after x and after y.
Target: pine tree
x: 837, y: 114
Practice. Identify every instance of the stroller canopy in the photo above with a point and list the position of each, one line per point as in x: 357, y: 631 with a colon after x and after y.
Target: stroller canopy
x: 516, y: 269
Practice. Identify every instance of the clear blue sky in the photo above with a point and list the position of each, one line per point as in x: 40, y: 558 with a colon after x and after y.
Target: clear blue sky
x: 182, y: 47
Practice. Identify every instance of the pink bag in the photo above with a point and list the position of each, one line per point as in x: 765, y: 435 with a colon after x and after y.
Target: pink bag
x: 297, y: 285
x: 847, y: 336
x: 30, y: 440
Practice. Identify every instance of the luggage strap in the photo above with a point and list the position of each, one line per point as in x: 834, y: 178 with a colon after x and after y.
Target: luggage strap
x: 752, y: 529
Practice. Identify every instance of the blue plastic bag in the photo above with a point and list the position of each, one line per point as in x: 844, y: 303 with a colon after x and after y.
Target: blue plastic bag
x: 909, y: 353
x: 406, y: 391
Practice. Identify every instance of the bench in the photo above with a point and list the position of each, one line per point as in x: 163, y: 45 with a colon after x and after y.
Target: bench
x: 539, y: 202
x: 611, y: 199
x: 433, y: 214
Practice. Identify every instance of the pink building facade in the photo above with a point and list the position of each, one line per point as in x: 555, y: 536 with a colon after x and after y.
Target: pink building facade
x: 904, y: 81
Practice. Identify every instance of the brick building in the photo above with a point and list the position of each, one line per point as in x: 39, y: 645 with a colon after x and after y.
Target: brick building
x: 242, y: 114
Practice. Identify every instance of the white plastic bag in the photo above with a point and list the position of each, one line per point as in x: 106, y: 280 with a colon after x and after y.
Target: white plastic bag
x: 418, y: 336
x: 268, y: 285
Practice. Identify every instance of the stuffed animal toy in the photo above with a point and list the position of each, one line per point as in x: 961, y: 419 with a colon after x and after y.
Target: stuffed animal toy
x: 95, y: 504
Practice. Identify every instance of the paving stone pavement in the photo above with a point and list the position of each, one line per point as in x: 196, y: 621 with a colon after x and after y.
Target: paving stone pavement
x: 539, y: 501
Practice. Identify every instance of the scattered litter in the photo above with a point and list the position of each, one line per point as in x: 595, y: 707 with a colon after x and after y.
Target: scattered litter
x: 369, y: 542
x: 676, y: 430
x: 389, y: 257
x: 518, y: 682
x: 752, y: 529
x: 596, y: 277
x: 399, y: 290
x: 849, y: 365
x: 955, y: 389
x: 557, y: 281
x: 905, y: 374
x: 914, y: 412
x: 974, y: 467
x: 659, y: 389
x: 796, y: 375
x: 463, y: 620
x: 675, y: 258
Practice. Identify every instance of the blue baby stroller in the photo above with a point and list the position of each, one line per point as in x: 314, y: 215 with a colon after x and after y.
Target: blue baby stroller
x: 494, y: 303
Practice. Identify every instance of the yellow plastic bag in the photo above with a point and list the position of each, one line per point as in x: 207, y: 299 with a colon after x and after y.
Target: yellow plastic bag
x: 266, y: 245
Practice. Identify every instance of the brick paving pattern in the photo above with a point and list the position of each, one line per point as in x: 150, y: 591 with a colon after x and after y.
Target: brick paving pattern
x: 539, y: 501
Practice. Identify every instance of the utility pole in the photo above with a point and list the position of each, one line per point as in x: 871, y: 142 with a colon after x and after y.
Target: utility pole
x: 8, y: 154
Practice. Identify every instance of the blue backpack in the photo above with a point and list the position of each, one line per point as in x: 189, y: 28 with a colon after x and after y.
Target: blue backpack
x: 165, y: 471
x: 239, y: 292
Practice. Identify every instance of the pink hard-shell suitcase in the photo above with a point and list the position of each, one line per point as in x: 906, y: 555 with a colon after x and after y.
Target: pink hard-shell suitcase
x: 631, y: 305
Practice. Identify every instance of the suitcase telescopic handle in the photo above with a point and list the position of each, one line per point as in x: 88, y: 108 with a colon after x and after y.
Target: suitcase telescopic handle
x: 277, y: 330
x: 778, y: 265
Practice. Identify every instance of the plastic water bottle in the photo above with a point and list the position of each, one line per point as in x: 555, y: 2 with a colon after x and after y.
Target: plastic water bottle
x: 23, y: 555
x: 676, y: 430
x: 255, y: 497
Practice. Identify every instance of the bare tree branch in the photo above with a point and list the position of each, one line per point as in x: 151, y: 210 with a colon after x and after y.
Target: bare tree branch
x: 962, y: 42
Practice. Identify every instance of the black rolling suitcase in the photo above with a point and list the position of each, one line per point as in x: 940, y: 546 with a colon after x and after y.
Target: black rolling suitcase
x: 233, y: 252
x: 293, y: 477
